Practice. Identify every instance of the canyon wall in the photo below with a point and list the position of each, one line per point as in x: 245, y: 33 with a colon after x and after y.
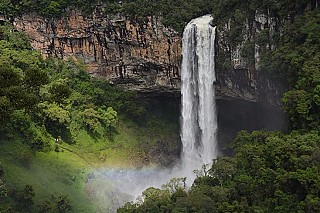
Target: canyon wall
x: 239, y: 58
x: 145, y: 56
x: 141, y: 55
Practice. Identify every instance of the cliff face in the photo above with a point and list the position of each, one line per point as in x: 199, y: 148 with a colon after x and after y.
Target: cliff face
x: 146, y: 56
x: 143, y: 56
x: 240, y: 78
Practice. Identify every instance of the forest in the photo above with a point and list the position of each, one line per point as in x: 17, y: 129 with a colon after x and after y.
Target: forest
x: 61, y: 104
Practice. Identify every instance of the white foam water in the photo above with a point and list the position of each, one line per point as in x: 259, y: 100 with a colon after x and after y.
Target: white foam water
x: 198, y: 114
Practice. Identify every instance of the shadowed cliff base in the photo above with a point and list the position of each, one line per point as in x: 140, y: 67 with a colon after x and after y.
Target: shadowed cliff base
x: 236, y: 115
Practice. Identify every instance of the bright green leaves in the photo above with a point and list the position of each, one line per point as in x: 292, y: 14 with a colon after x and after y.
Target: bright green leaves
x: 55, y: 112
x: 40, y: 99
x: 21, y: 73
x: 91, y: 119
x: 96, y: 121
x: 109, y: 117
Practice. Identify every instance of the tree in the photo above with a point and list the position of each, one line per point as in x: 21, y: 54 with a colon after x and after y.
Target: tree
x: 57, y: 91
x: 91, y: 119
x: 63, y: 204
x: 109, y: 119
x: 25, y: 197
x: 56, y: 118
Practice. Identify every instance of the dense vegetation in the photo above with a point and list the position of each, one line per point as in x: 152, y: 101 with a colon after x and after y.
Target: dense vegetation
x: 58, y: 98
x: 271, y: 172
x: 289, y: 50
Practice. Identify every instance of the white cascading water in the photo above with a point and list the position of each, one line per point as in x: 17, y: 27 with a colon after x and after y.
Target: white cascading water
x: 198, y: 116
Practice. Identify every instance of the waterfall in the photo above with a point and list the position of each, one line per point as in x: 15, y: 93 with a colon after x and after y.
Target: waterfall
x: 198, y: 115
x: 198, y: 120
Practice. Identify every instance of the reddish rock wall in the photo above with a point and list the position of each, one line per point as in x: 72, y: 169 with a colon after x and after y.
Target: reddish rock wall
x: 144, y: 55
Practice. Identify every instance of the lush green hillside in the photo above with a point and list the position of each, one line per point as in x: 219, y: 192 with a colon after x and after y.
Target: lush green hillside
x: 57, y: 124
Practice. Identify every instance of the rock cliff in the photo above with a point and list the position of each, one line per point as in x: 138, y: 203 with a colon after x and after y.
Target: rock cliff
x: 144, y: 55
x: 238, y: 61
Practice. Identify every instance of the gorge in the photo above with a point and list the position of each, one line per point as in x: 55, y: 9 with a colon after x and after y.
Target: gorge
x: 91, y: 93
x: 199, y: 119
x: 143, y: 56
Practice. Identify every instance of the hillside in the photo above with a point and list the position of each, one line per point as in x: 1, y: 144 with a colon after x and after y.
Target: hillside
x: 58, y: 125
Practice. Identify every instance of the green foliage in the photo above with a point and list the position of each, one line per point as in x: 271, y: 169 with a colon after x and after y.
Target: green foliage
x: 32, y: 134
x: 22, y: 200
x: 109, y: 119
x: 45, y: 206
x: 271, y: 172
x: 3, y: 188
x: 175, y: 184
x: 300, y: 62
x: 91, y: 119
x: 15, y: 39
x: 20, y: 70
x: 55, y: 113
x: 59, y: 97
x: 95, y: 120
x: 49, y: 104
x: 25, y: 196
x: 57, y: 91
x: 13, y: 200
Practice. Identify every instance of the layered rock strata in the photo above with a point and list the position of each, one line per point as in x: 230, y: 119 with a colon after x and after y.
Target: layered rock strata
x: 143, y: 56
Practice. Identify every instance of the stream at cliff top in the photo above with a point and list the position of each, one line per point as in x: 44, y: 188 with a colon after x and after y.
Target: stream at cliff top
x: 114, y: 187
